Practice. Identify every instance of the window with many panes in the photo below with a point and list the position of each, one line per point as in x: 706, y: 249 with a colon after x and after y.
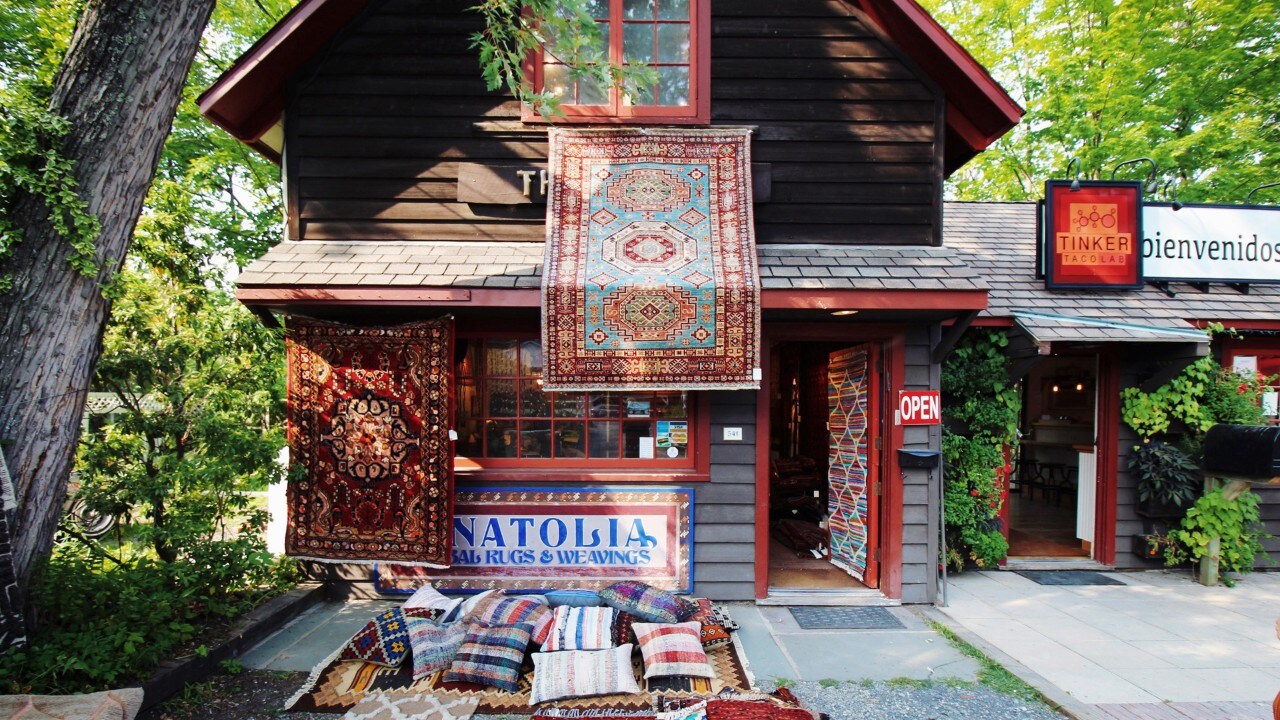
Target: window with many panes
x: 667, y: 35
x: 505, y: 419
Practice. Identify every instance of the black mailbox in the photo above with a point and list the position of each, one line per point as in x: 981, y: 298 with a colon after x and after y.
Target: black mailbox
x: 1243, y: 450
x: 922, y: 459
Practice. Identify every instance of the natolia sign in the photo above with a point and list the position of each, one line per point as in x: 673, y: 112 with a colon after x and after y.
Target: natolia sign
x: 1092, y: 235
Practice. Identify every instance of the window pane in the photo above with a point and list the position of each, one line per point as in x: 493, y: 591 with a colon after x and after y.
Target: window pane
x: 533, y: 401
x: 598, y: 8
x: 591, y: 94
x: 470, y: 439
x: 631, y: 434
x: 673, y: 43
x: 500, y: 358
x: 535, y: 439
x: 570, y: 405
x: 637, y: 42
x: 673, y: 86
x: 530, y: 358
x: 671, y: 405
x: 555, y: 80
x: 604, y: 405
x: 468, y: 399
x: 501, y: 439
x: 467, y: 358
x: 637, y: 9
x: 571, y: 439
x: 603, y: 439
x: 673, y: 9
x: 502, y: 398
x: 638, y: 405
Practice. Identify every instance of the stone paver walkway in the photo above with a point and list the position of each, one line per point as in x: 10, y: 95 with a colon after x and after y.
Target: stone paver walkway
x: 1160, y: 646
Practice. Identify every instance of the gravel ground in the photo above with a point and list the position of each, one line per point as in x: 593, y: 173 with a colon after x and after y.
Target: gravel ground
x: 259, y: 695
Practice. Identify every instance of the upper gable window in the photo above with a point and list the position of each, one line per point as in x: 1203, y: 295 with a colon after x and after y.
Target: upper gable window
x: 668, y: 36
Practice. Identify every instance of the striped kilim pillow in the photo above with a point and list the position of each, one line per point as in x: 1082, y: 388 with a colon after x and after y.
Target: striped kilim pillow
x: 491, y: 656
x: 499, y: 609
x: 647, y: 602
x: 433, y: 645
x: 384, y: 641
x: 581, y: 628
x: 582, y: 673
x: 672, y: 649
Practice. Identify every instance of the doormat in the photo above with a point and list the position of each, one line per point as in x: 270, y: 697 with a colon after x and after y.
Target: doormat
x: 1068, y: 577
x: 818, y: 617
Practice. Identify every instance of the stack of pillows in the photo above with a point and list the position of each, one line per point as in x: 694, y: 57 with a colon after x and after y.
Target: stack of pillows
x: 585, y: 638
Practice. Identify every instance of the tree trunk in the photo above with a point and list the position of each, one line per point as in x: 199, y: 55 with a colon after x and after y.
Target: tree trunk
x: 119, y: 86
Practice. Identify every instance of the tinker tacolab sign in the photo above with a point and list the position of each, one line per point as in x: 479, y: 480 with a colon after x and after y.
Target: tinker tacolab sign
x: 1092, y: 235
x: 1212, y: 243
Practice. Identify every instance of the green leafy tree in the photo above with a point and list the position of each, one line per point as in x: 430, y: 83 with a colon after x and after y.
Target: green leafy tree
x: 1193, y: 85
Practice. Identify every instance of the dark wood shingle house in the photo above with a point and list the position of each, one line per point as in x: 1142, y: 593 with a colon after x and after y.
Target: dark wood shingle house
x: 413, y: 193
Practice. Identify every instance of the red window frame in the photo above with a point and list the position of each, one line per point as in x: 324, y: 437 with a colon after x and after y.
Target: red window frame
x: 694, y: 467
x: 697, y: 112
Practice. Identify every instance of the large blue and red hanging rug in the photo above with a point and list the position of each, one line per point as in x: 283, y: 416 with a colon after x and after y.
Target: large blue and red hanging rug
x: 369, y: 417
x: 651, y: 280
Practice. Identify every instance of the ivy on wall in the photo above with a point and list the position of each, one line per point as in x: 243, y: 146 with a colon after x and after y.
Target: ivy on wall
x: 980, y: 413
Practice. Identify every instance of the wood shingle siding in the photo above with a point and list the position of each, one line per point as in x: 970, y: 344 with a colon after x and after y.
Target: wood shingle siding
x: 919, y: 487
x: 377, y: 125
x: 724, y: 527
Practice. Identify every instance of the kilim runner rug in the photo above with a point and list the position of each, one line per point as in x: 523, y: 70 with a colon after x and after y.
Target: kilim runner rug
x: 337, y: 686
x: 369, y: 418
x: 651, y: 279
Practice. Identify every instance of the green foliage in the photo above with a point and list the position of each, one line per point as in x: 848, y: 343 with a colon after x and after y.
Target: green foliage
x: 1236, y: 522
x: 1194, y: 85
x: 108, y: 626
x: 515, y: 29
x: 981, y: 410
x: 1151, y: 413
x: 1165, y: 474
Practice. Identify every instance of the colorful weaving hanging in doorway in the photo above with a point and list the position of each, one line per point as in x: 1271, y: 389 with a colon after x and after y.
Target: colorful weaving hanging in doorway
x: 847, y: 473
x: 369, y: 416
x: 651, y: 279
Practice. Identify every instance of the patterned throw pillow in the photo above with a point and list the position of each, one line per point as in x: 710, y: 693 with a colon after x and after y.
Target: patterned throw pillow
x: 582, y: 673
x: 384, y: 641
x: 433, y: 645
x: 581, y: 628
x: 622, y: 628
x: 498, y: 609
x: 491, y: 656
x: 672, y: 650
x: 428, y: 598
x: 574, y: 598
x: 713, y: 633
x: 647, y: 602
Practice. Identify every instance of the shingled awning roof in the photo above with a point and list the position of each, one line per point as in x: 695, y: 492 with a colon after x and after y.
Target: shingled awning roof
x: 1046, y: 329
x: 998, y: 240
x: 506, y: 265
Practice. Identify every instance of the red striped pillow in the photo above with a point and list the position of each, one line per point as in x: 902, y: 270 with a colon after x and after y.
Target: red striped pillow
x: 672, y: 650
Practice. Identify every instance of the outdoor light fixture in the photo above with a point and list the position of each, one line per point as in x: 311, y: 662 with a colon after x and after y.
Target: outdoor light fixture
x: 1075, y: 181
x: 1249, y: 198
x: 1151, y: 179
x: 1055, y: 388
x: 844, y: 313
x: 1171, y: 189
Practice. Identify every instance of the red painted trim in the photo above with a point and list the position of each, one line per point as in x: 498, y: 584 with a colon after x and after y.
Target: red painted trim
x: 993, y: 322
x: 249, y: 97
x: 874, y: 299
x: 1240, y: 324
x: 889, y: 342
x: 1108, y: 457
x: 769, y: 299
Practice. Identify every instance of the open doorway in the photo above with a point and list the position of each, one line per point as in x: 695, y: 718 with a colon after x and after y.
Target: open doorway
x: 823, y: 467
x: 1053, y: 489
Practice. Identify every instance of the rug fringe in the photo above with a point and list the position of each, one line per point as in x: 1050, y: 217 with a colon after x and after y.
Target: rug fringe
x: 314, y: 678
x: 409, y: 563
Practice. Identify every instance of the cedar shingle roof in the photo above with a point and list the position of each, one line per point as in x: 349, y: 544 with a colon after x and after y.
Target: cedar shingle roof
x: 998, y: 240
x: 519, y: 265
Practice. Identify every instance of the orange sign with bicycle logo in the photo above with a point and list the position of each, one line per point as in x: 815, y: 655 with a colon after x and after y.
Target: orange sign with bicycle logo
x: 1092, y: 235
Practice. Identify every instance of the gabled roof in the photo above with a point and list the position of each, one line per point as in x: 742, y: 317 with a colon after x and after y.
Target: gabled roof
x: 248, y: 100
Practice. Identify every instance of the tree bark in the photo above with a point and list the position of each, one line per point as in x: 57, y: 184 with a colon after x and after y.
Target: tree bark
x: 119, y: 86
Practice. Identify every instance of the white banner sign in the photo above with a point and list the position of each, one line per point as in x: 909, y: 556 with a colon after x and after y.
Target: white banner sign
x: 1202, y: 243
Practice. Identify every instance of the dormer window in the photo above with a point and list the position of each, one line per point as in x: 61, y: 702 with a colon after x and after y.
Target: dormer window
x: 669, y: 36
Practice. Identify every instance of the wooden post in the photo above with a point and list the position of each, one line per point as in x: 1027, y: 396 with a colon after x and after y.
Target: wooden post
x: 1208, y: 571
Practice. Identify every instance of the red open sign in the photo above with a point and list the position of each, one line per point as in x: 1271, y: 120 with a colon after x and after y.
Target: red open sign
x: 919, y: 407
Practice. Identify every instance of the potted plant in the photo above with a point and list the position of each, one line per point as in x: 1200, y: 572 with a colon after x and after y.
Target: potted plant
x: 1168, y: 482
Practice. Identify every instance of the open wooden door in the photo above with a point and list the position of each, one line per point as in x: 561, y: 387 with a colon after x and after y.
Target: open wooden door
x: 852, y: 504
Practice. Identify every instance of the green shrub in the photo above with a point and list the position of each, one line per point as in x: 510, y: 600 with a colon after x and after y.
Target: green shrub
x: 1236, y: 522
x: 1165, y: 474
